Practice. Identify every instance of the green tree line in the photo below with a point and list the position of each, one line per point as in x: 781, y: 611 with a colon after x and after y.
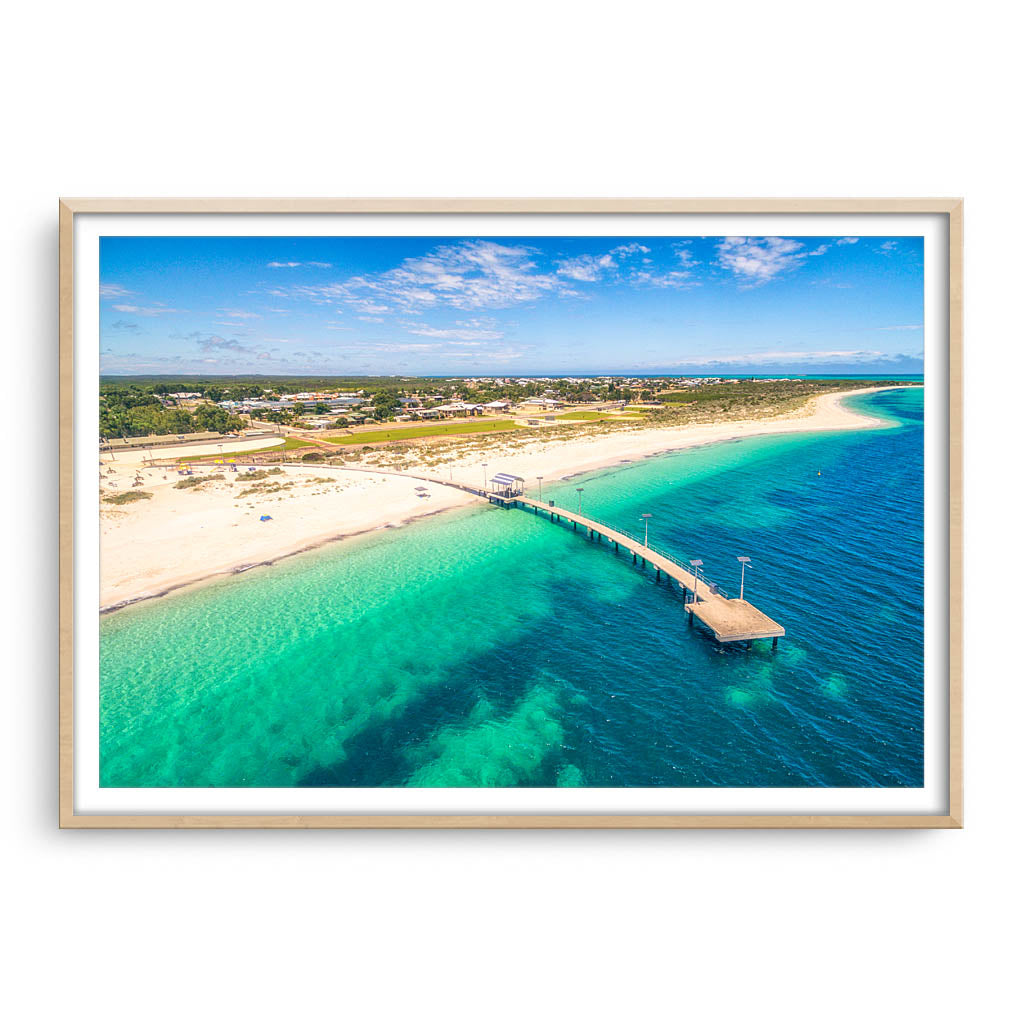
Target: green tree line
x: 134, y: 413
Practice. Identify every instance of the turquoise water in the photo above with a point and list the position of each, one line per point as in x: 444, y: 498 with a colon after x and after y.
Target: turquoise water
x: 492, y: 648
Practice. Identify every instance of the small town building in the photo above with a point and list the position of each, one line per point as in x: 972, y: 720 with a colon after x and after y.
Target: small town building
x: 459, y: 409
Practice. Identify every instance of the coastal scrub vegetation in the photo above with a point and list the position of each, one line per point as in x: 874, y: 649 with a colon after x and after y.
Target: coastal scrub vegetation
x: 740, y: 399
x: 260, y: 474
x: 126, y: 497
x: 191, y: 482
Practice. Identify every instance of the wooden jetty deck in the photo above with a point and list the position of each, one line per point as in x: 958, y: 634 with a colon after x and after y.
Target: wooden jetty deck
x: 731, y: 620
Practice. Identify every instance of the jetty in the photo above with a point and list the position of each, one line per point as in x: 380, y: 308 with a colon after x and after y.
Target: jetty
x: 731, y: 620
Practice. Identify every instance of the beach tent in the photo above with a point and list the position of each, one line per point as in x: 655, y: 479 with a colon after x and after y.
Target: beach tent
x: 263, y: 519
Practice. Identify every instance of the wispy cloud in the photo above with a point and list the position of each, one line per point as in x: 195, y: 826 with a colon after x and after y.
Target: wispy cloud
x: 114, y: 291
x: 847, y: 241
x: 819, y: 356
x: 157, y: 310
x: 756, y: 261
x: 902, y: 327
x: 586, y: 268
x: 215, y: 343
x: 288, y: 264
x: 468, y: 275
x: 464, y: 330
x: 124, y: 325
x: 620, y: 265
x: 239, y: 314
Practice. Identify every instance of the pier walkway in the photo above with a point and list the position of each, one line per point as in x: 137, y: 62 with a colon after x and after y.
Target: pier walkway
x: 730, y: 620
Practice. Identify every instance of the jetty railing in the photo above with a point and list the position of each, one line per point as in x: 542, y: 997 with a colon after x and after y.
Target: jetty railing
x: 701, y: 575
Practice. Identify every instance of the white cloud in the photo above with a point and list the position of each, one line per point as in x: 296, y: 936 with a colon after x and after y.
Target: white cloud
x: 278, y: 263
x: 467, y: 275
x: 148, y: 310
x: 847, y: 241
x: 239, y: 314
x: 756, y: 261
x: 464, y: 330
x: 903, y: 327
x: 585, y: 268
x: 821, y: 356
x: 368, y: 306
x: 665, y: 279
x: 114, y: 291
x: 592, y: 268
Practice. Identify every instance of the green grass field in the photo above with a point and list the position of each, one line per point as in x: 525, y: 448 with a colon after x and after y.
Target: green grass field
x: 593, y: 414
x: 433, y: 430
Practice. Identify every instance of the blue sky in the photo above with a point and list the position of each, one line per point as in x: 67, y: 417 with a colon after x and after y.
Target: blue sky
x: 510, y: 305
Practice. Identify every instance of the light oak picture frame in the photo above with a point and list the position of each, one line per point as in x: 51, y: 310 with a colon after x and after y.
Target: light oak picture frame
x: 950, y: 208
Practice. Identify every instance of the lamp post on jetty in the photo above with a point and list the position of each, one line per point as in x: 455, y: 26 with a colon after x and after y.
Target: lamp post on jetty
x: 696, y: 563
x: 646, y: 517
x: 485, y: 476
x: 742, y: 559
x: 579, y: 491
x: 540, y: 488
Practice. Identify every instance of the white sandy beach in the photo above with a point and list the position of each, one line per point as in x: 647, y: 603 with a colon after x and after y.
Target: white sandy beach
x: 182, y: 536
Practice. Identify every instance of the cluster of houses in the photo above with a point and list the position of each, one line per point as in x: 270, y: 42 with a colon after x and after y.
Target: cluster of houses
x: 356, y: 407
x: 412, y: 409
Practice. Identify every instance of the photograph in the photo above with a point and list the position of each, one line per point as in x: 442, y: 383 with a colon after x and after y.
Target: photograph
x: 479, y: 511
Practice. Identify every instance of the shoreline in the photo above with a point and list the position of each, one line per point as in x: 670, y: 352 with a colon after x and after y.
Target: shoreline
x: 245, y: 567
x: 396, y: 504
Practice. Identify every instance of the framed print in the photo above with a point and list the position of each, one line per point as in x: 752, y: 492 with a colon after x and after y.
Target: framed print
x: 510, y: 513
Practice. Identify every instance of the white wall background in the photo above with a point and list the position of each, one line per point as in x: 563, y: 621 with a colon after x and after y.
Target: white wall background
x: 529, y: 98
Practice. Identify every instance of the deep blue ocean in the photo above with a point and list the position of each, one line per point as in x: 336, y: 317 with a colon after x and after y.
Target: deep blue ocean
x: 491, y: 648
